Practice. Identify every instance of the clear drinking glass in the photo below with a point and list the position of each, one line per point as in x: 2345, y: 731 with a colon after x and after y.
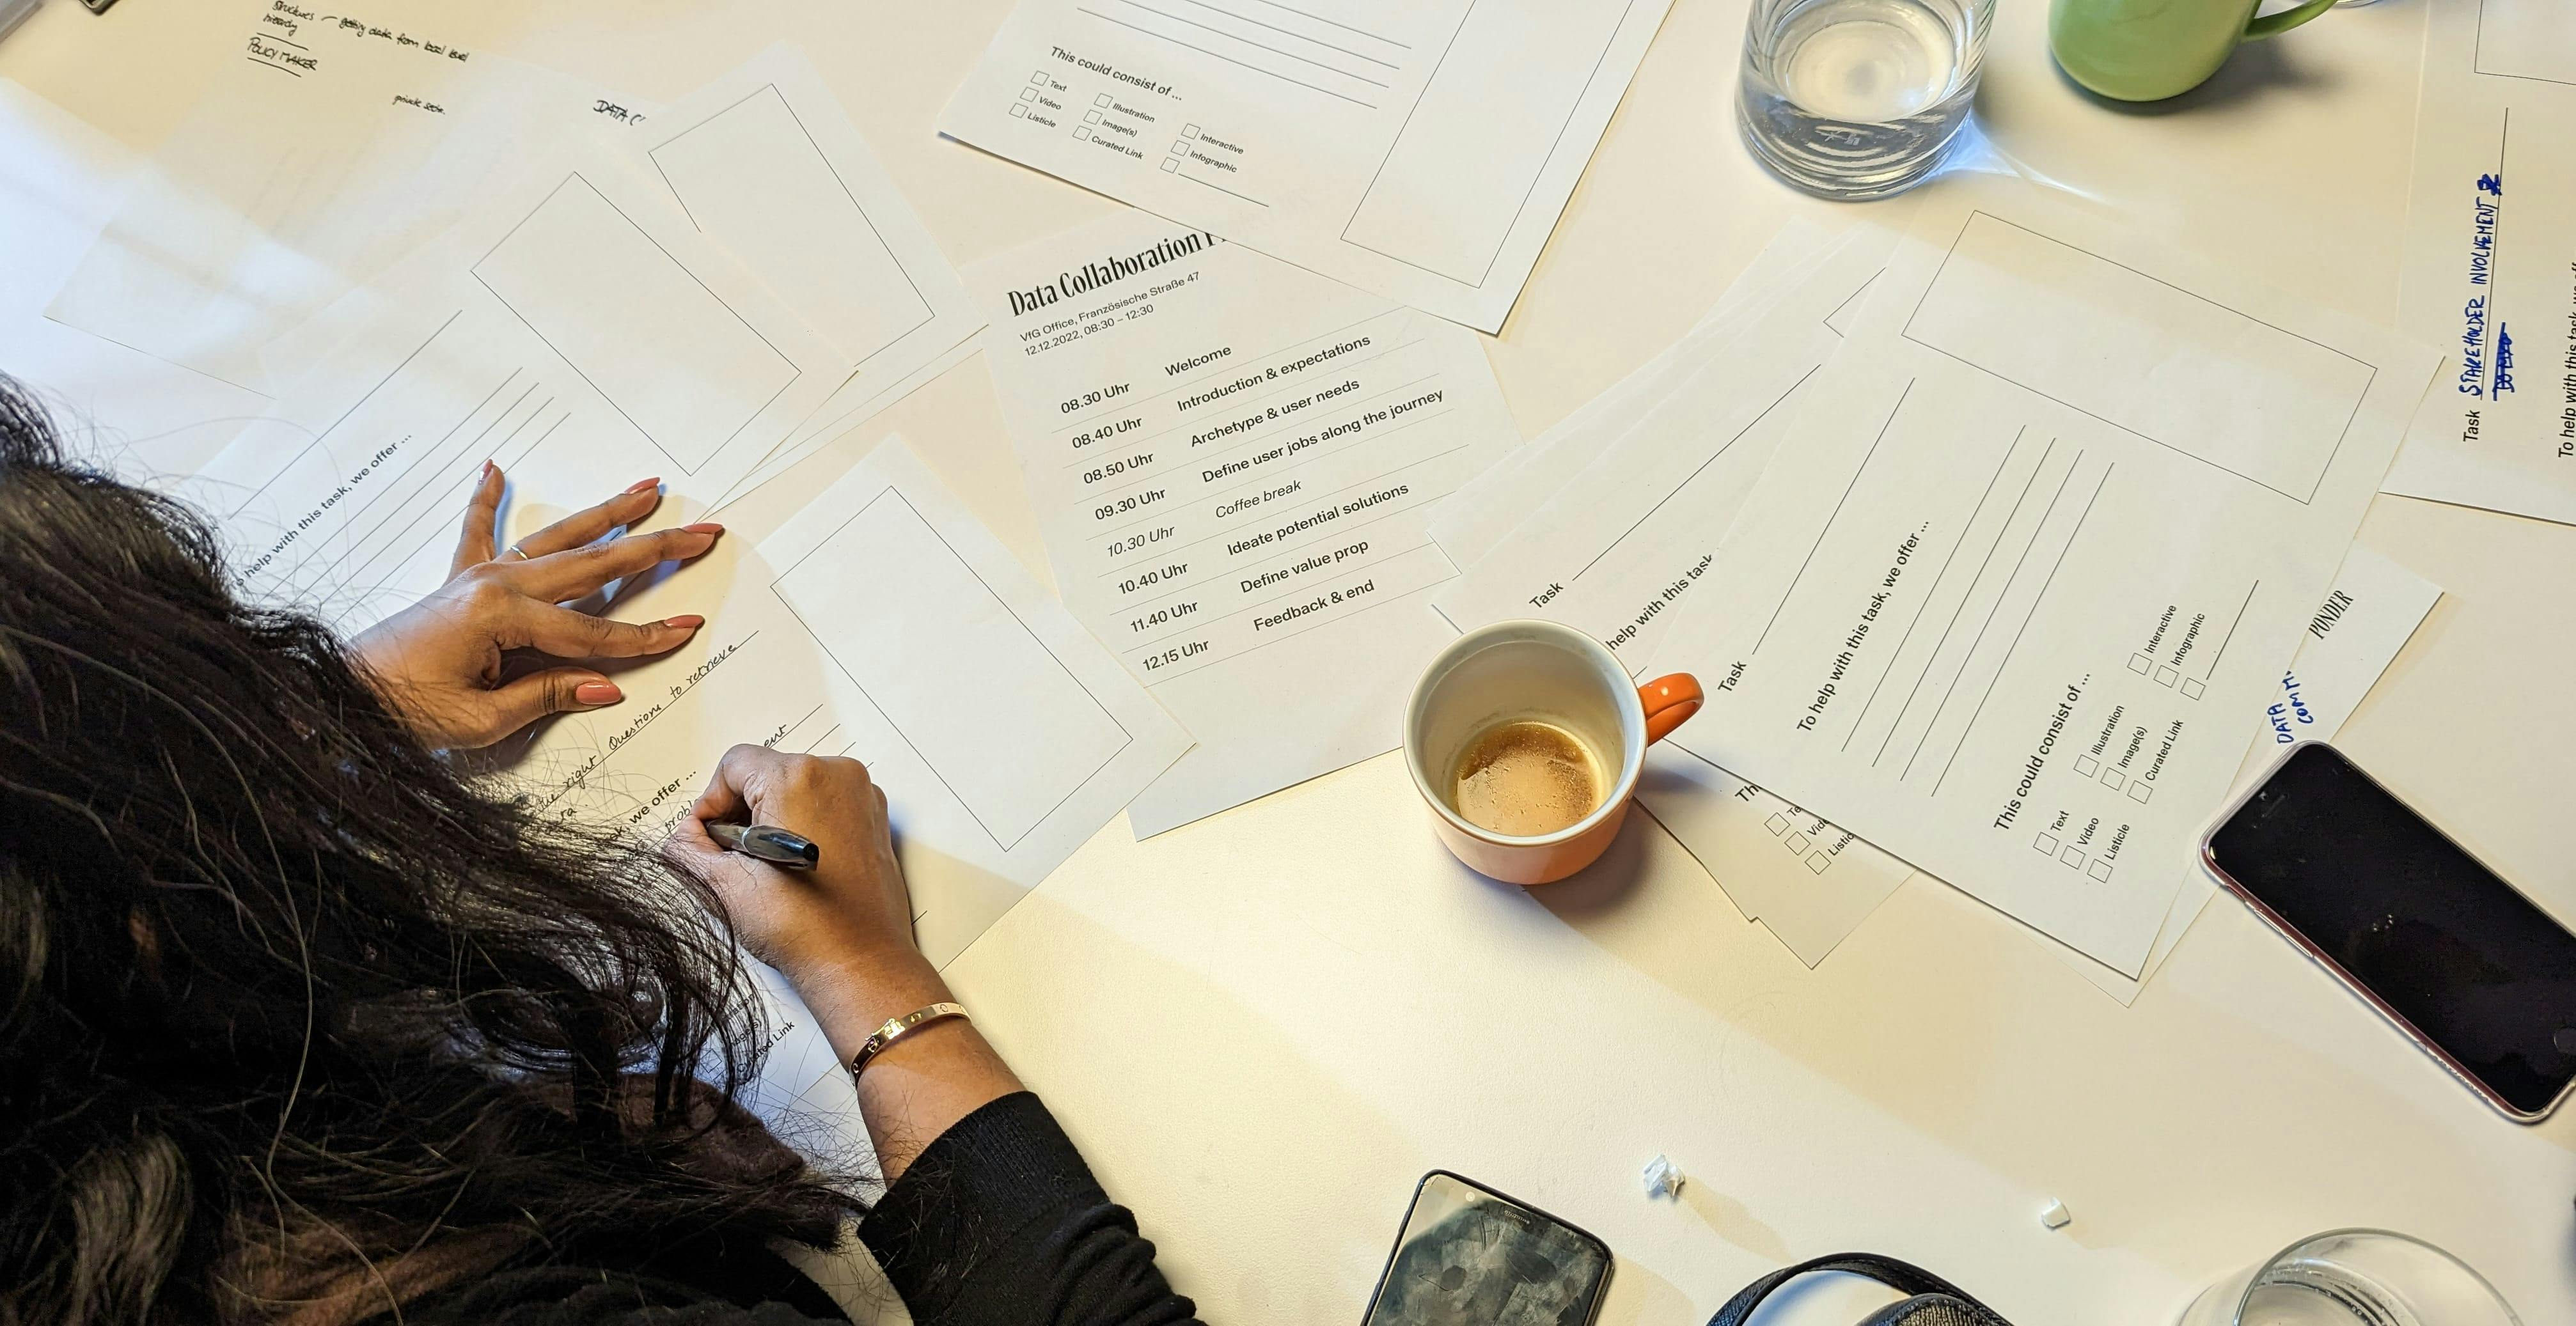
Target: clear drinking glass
x: 2354, y: 1277
x: 1858, y: 99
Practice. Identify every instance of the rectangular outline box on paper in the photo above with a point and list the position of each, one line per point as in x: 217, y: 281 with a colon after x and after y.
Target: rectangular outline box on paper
x: 2043, y: 347
x: 1002, y: 822
x: 2536, y: 61
x: 2100, y: 871
x: 626, y: 369
x: 1399, y: 206
x: 921, y: 315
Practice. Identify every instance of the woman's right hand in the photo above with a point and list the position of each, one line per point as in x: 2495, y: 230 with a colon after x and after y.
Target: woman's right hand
x: 852, y: 908
x: 841, y: 933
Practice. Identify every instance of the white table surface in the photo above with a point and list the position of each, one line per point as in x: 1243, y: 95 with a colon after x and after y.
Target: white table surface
x: 1264, y: 1026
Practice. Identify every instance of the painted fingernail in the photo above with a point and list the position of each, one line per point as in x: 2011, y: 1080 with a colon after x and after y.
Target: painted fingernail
x: 704, y: 527
x: 642, y: 485
x: 598, y: 692
x: 687, y: 621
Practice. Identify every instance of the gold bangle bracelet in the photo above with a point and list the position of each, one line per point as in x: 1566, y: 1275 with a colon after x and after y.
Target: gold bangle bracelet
x: 896, y: 1029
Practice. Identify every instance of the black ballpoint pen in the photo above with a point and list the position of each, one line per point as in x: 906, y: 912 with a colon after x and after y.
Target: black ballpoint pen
x: 764, y: 842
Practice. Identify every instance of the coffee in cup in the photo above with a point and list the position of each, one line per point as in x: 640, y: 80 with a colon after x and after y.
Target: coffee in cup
x: 1524, y: 777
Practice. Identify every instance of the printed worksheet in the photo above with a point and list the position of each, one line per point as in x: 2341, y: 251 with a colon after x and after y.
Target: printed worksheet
x: 575, y: 330
x: 2056, y: 513
x: 327, y: 147
x: 1615, y: 546
x: 2374, y: 608
x: 1232, y: 461
x: 885, y: 624
x: 1419, y: 150
x: 2491, y: 260
x: 1623, y: 541
x: 766, y: 163
x: 1470, y: 522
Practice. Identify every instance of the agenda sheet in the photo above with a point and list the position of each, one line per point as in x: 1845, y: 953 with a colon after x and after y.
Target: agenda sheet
x: 1232, y: 462
x: 1421, y: 149
x: 2059, y: 508
x: 2491, y: 260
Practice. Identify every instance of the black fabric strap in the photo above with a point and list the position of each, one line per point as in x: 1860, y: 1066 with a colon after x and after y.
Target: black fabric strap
x: 1931, y: 1301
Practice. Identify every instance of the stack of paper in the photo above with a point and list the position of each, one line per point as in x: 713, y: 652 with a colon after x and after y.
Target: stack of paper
x: 1233, y: 461
x: 2059, y: 505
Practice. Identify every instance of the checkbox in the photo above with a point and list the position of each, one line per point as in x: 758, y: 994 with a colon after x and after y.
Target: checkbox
x: 1038, y: 77
x: 1818, y: 862
x: 1019, y: 112
x: 2086, y: 764
x: 1091, y: 117
x: 2100, y: 871
x: 2047, y: 845
x: 2073, y: 857
x: 1797, y: 842
x: 1080, y: 133
x: 1189, y: 131
x: 1181, y: 149
x: 1777, y: 824
x: 2139, y: 663
x: 1028, y: 94
x: 2140, y: 790
x: 2167, y: 676
x: 1101, y: 100
x: 1170, y: 164
x: 2191, y: 688
x: 2111, y: 779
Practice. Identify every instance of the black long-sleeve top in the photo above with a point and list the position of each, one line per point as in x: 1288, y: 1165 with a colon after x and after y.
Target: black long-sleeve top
x: 998, y: 1221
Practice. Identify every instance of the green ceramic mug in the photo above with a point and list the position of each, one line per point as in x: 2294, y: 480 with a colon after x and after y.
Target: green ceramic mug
x: 2148, y: 50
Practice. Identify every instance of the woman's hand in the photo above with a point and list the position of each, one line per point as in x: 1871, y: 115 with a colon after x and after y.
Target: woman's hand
x: 851, y: 915
x: 440, y: 662
x: 842, y: 934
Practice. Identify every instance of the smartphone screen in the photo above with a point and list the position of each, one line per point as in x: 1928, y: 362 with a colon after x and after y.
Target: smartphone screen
x: 2475, y: 967
x: 1469, y: 1256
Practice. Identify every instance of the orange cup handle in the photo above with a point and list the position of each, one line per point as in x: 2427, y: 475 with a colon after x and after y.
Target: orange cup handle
x: 1670, y: 701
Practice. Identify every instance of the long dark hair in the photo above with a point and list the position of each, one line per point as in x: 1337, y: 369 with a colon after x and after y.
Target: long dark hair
x: 291, y: 1016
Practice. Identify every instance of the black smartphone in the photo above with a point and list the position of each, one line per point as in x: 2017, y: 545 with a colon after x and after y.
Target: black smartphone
x: 2462, y: 963
x: 1470, y: 1255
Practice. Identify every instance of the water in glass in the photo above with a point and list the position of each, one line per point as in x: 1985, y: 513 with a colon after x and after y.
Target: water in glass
x: 1858, y: 98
